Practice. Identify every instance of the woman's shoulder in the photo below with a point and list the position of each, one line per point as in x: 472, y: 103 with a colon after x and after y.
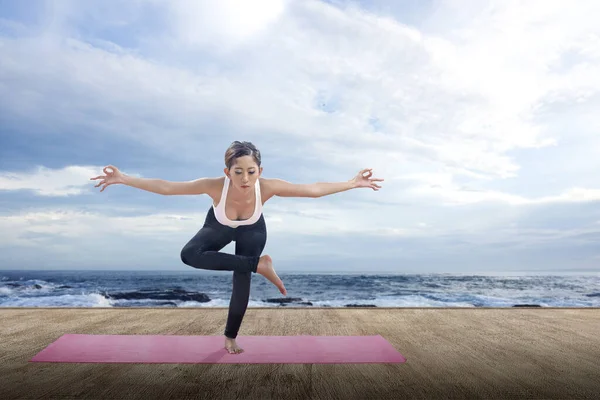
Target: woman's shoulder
x: 266, y: 187
x: 216, y: 187
x: 217, y: 182
x: 269, y: 187
x: 265, y: 183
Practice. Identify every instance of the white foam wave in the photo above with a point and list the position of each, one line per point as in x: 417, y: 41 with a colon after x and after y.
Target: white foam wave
x: 65, y: 300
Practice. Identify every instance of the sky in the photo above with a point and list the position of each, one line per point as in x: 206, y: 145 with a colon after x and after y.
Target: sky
x: 481, y: 116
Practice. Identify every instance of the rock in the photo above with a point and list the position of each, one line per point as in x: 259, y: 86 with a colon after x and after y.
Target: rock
x: 526, y: 305
x: 167, y: 303
x: 360, y: 305
x: 284, y: 300
x: 173, y: 294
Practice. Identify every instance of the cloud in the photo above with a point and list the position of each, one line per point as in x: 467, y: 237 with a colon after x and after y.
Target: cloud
x: 227, y: 23
x: 110, y: 236
x: 442, y: 187
x: 334, y: 56
x: 477, y: 117
x: 75, y: 180
x: 68, y: 181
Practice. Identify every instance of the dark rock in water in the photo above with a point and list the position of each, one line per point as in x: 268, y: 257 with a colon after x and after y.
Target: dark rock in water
x: 173, y: 294
x: 65, y: 287
x: 306, y: 303
x: 287, y: 300
x: 526, y: 305
x: 360, y: 305
x: 37, y: 286
x: 284, y: 300
x: 167, y: 304
x: 593, y: 295
x: 158, y: 304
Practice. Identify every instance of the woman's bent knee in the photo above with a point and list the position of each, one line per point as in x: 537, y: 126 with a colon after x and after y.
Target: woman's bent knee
x: 183, y: 256
x: 188, y: 252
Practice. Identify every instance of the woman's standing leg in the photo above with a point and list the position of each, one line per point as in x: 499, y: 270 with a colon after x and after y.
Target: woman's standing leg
x: 250, y: 241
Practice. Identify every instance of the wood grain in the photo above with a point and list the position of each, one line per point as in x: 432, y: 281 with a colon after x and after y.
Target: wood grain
x: 452, y: 353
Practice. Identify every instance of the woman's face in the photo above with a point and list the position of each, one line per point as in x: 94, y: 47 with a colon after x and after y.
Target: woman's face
x: 244, y: 173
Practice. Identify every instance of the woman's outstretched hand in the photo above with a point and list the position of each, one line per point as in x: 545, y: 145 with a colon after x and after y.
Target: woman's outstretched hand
x: 362, y: 180
x: 113, y: 175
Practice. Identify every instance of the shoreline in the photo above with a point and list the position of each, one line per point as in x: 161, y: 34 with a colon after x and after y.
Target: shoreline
x: 516, y: 307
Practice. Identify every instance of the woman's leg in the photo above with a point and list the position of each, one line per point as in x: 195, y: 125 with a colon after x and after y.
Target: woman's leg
x: 202, y: 251
x: 250, y: 241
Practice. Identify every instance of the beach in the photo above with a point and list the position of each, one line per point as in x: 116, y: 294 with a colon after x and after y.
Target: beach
x: 452, y: 353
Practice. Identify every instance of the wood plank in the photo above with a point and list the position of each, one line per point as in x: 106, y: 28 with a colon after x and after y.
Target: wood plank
x: 452, y: 353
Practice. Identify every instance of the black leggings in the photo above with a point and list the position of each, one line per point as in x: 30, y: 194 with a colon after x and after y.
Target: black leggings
x: 202, y: 252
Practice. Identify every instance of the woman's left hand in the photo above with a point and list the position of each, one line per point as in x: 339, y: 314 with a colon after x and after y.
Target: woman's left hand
x: 363, y: 179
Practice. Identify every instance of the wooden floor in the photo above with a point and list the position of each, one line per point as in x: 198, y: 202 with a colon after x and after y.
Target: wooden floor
x: 452, y: 353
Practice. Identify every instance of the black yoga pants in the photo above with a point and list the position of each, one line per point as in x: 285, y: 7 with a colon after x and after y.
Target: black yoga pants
x: 203, y: 252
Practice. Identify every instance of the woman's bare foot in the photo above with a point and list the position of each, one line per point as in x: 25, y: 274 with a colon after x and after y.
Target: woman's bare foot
x: 232, y: 346
x: 265, y: 268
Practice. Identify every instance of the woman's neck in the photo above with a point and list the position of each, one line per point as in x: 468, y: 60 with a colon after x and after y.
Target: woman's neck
x: 238, y: 195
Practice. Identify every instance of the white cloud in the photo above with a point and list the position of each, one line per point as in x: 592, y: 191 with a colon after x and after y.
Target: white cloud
x: 420, y: 114
x: 442, y: 187
x: 75, y: 180
x: 227, y: 23
x: 450, y: 103
x: 76, y: 224
x: 477, y: 106
x: 70, y: 236
x: 68, y: 181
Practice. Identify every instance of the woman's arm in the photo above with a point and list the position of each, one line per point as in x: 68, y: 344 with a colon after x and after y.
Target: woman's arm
x: 170, y: 188
x: 160, y: 186
x: 197, y: 186
x: 281, y: 188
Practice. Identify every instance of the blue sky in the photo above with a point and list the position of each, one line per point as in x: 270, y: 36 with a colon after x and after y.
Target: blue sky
x: 481, y: 117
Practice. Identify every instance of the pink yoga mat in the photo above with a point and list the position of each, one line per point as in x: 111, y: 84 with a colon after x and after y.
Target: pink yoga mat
x: 170, y: 349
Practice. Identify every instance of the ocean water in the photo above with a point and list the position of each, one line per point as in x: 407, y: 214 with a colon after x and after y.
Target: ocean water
x: 169, y: 289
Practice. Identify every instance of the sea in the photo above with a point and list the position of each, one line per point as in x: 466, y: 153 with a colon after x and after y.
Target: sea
x: 213, y: 289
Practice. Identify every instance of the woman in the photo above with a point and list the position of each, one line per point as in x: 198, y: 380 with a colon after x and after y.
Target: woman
x: 235, y: 215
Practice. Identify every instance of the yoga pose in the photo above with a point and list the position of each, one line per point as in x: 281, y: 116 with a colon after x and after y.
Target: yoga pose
x: 236, y: 215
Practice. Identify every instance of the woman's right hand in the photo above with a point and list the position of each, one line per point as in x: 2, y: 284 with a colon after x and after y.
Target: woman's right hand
x: 111, y: 177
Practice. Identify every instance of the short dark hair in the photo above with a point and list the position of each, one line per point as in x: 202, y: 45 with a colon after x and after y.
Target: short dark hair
x: 240, y: 149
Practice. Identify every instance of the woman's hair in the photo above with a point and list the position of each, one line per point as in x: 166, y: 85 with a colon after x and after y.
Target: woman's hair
x: 239, y: 149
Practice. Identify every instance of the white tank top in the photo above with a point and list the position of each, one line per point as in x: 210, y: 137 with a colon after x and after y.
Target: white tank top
x: 220, y: 208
